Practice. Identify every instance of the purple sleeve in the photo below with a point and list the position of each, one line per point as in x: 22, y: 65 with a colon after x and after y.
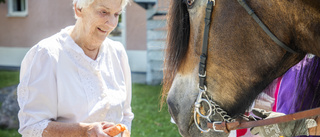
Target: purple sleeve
x: 291, y: 100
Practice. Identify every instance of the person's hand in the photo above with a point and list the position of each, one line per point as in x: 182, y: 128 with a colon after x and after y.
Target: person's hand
x: 96, y: 129
x: 125, y: 133
x: 116, y: 130
x: 263, y: 114
x: 288, y: 129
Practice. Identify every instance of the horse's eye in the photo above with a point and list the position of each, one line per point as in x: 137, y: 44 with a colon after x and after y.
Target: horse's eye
x: 190, y: 2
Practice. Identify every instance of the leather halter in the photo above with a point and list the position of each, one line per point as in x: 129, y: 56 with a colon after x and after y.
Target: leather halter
x: 264, y: 27
x: 240, y: 124
x: 228, y: 123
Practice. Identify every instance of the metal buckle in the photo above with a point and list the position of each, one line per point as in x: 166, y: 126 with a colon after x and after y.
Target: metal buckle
x: 214, y: 2
x: 204, y: 75
x: 214, y: 127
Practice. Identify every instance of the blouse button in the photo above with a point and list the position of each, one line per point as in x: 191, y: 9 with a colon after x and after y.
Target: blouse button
x: 93, y: 64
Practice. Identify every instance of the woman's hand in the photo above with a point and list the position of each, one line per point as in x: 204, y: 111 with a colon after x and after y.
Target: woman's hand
x: 125, y: 133
x: 96, y: 129
x: 55, y: 129
x: 116, y: 130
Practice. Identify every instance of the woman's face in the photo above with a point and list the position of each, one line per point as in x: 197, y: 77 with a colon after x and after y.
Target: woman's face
x: 100, y: 18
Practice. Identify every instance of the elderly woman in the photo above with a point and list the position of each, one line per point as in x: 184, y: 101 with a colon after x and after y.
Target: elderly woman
x: 77, y: 82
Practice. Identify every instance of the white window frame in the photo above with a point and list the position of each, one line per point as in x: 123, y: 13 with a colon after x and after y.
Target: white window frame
x: 12, y: 13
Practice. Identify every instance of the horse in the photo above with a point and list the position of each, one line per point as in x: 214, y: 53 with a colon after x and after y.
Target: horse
x: 241, y: 58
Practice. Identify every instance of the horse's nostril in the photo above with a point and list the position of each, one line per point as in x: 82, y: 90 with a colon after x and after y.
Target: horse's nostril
x: 172, y: 107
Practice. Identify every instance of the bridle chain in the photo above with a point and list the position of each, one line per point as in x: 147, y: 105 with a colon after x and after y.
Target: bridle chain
x: 219, y: 110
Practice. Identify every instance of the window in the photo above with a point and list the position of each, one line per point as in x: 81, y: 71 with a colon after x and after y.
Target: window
x: 17, y: 8
x: 119, y: 33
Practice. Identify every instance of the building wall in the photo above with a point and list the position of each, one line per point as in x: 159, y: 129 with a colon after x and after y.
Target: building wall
x: 163, y: 5
x: 45, y: 18
x: 136, y: 37
x: 19, y: 34
x: 136, y: 27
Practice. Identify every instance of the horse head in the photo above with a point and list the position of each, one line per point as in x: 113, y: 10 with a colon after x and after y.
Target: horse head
x: 241, y: 58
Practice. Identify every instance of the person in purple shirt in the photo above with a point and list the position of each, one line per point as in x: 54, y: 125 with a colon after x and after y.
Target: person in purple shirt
x: 297, y: 90
x: 296, y: 80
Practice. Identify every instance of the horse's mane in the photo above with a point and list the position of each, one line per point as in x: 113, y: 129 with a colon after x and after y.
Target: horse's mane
x: 177, y: 42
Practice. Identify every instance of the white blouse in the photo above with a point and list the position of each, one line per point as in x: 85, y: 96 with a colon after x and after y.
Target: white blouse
x: 58, y: 82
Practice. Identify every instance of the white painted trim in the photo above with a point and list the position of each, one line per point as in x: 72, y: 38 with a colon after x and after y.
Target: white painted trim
x: 12, y: 56
x: 137, y: 60
x: 12, y: 13
x: 117, y: 38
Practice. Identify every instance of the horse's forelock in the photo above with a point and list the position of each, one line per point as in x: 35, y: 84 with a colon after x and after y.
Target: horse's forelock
x: 177, y: 42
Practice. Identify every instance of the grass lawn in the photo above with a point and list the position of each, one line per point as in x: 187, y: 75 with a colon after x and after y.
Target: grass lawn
x: 9, y: 133
x: 149, y: 121
x: 8, y: 78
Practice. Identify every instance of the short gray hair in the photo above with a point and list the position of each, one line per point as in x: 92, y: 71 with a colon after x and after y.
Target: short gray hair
x: 82, y: 3
x: 85, y: 3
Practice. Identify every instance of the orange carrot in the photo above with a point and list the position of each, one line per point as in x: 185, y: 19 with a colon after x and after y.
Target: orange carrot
x: 115, y: 130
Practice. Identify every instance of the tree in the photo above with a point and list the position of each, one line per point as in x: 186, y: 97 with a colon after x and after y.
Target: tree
x: 2, y: 1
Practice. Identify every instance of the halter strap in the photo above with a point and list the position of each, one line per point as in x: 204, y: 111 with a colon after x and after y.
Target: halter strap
x: 227, y: 127
x: 203, y: 57
x: 264, y: 27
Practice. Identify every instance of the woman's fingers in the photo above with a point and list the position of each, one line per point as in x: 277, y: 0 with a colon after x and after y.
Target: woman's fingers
x: 101, y: 127
x: 106, y: 125
x: 96, y: 129
x: 100, y: 133
x: 125, y: 133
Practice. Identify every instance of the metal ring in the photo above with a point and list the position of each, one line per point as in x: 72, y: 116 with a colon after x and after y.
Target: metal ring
x: 210, y: 110
x: 202, y: 90
x: 196, y: 123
